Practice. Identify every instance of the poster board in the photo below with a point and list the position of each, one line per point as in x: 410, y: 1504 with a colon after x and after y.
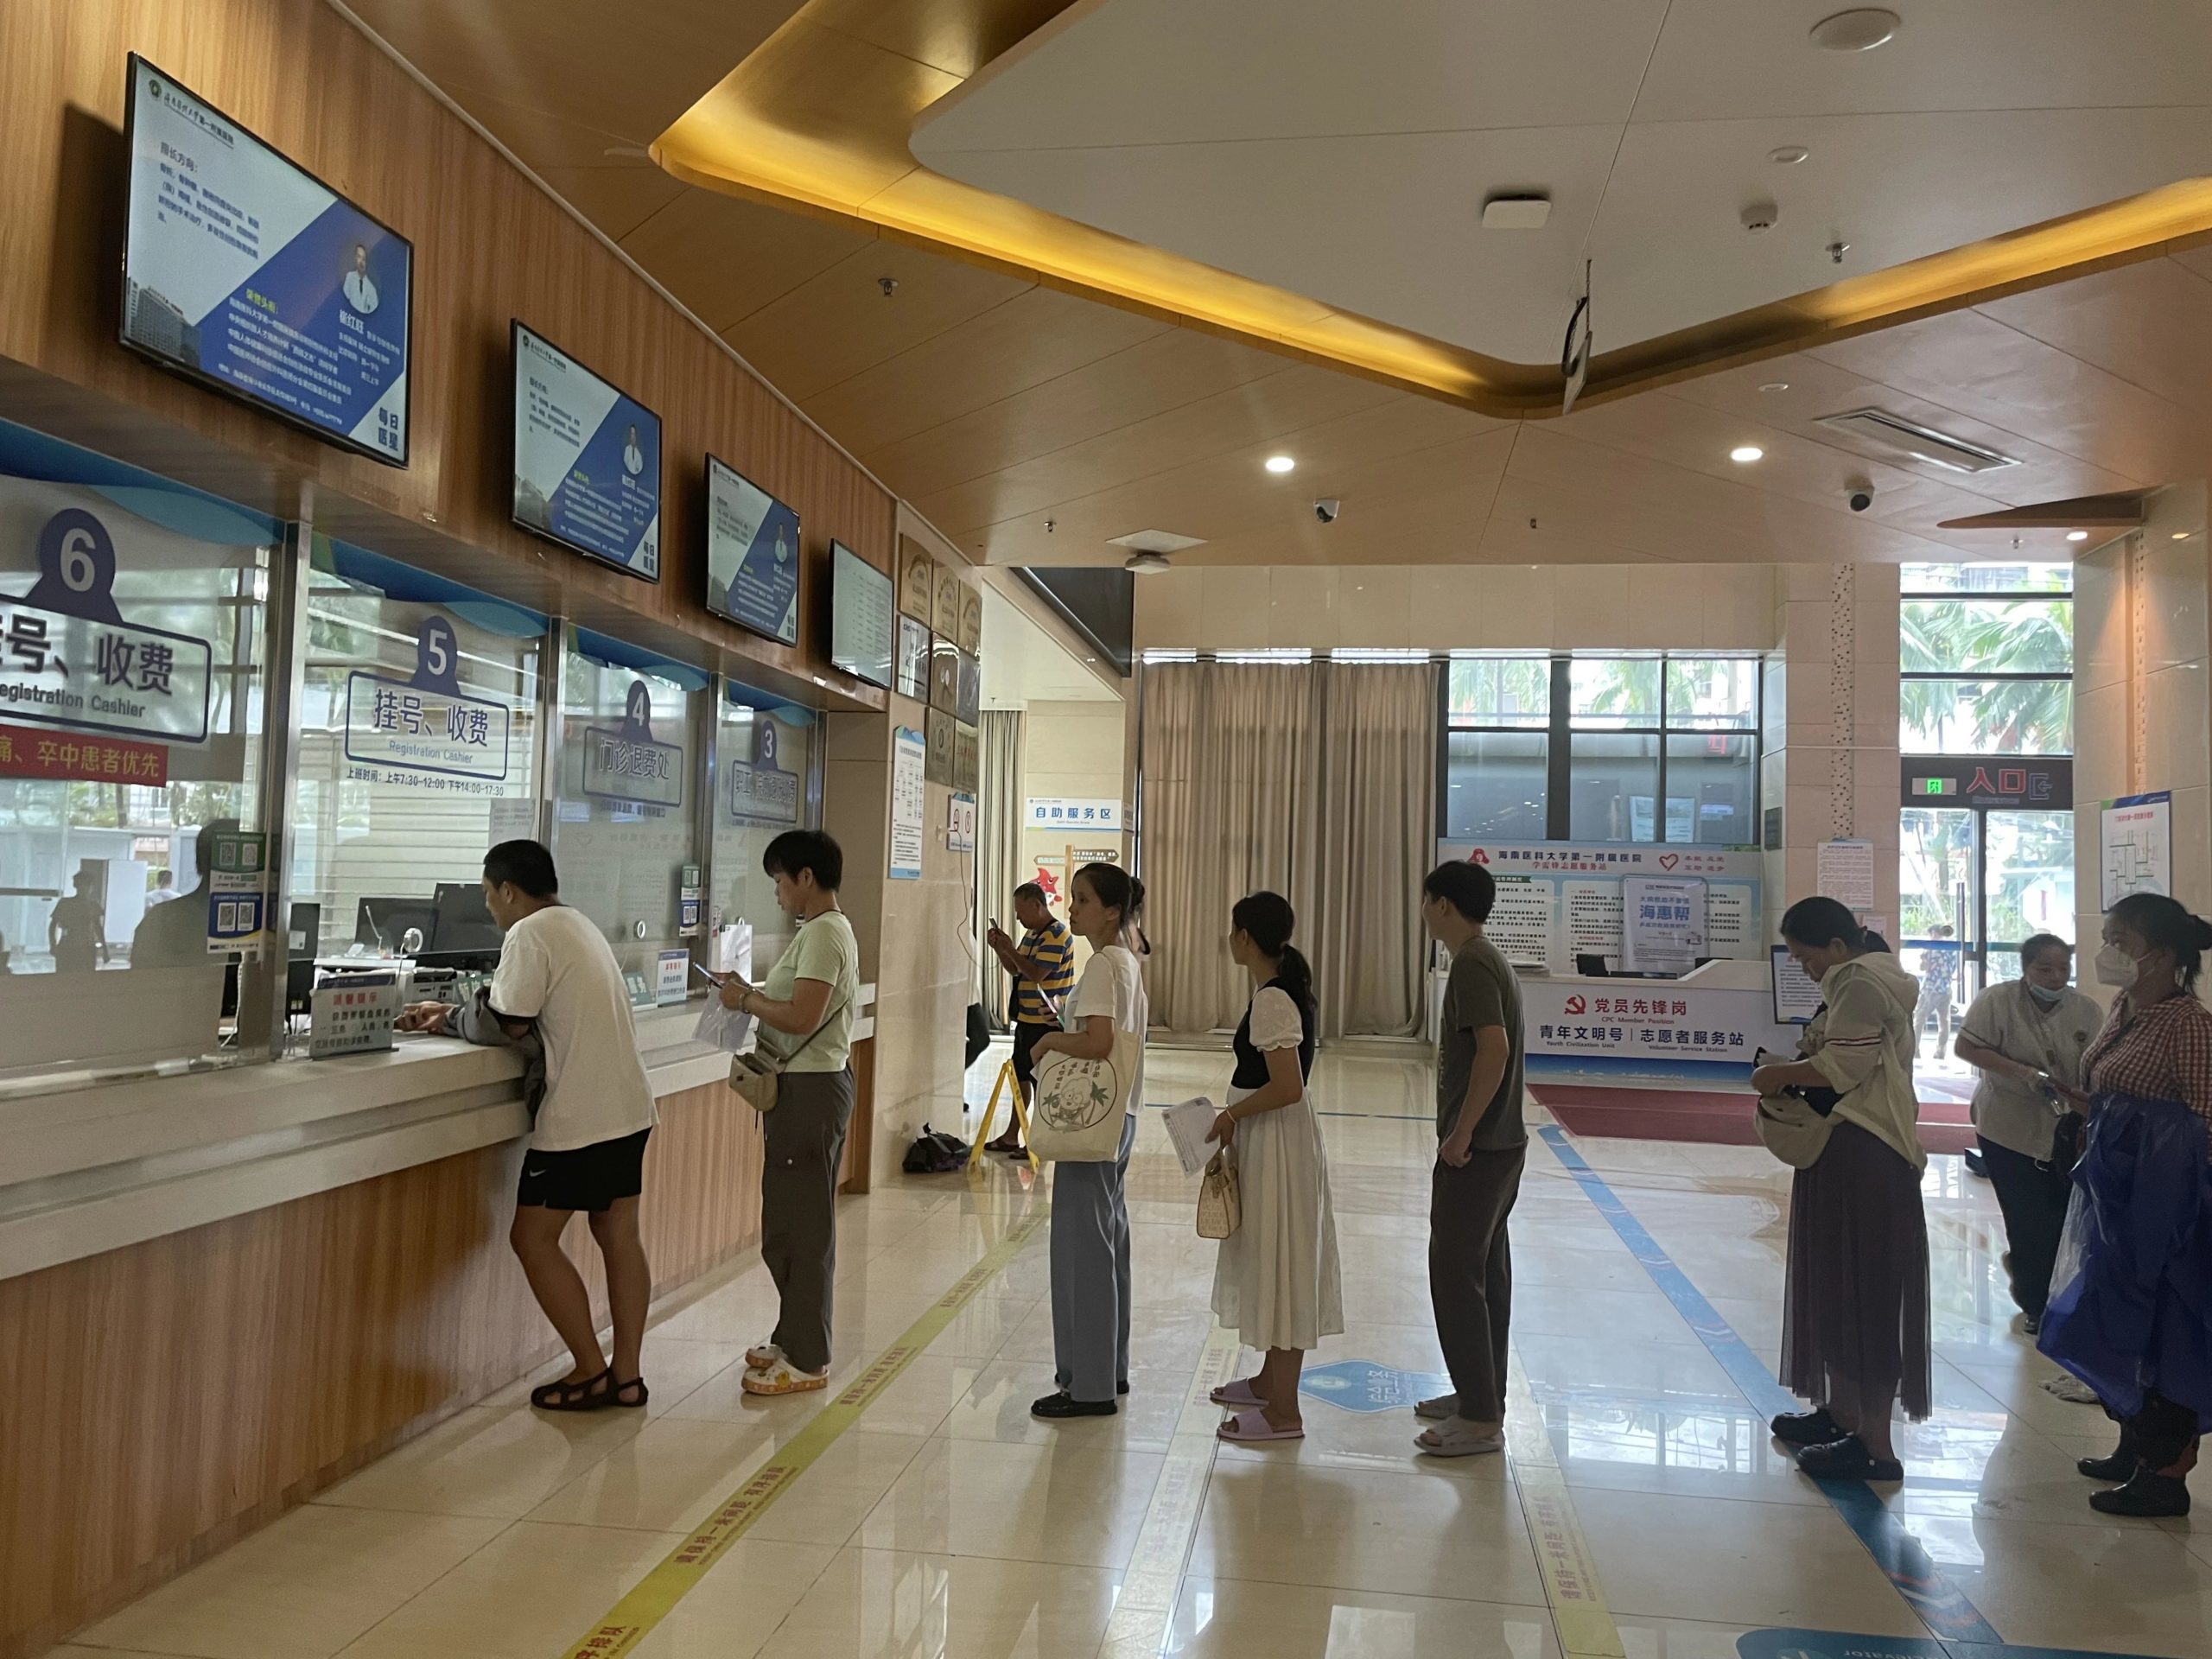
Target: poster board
x: 908, y: 800
x: 1583, y: 888
x: 2136, y: 847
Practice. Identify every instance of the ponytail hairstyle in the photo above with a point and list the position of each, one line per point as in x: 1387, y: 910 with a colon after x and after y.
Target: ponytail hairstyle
x: 2166, y: 925
x: 1266, y: 919
x: 1823, y: 922
x: 1119, y: 891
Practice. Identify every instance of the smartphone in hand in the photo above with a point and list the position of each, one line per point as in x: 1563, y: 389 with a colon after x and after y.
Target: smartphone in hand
x: 715, y: 980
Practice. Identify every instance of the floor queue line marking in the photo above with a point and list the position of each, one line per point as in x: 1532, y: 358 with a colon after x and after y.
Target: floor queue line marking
x: 1579, y: 1613
x: 1931, y: 1593
x: 656, y: 1595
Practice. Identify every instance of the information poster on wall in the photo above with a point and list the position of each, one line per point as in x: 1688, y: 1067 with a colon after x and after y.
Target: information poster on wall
x: 2138, y: 841
x: 1520, y: 923
x: 1584, y: 885
x: 1844, y: 871
x: 1796, y: 993
x: 909, y: 799
x: 237, y: 881
x: 1663, y: 923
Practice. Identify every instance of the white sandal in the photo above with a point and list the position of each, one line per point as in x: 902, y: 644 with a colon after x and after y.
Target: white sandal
x: 783, y: 1378
x: 1455, y: 1438
x: 761, y: 1355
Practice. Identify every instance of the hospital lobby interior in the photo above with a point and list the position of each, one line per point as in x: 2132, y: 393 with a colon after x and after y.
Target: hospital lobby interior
x: 1213, y: 516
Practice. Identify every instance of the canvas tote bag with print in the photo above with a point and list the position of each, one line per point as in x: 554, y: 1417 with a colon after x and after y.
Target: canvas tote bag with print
x: 1081, y: 1103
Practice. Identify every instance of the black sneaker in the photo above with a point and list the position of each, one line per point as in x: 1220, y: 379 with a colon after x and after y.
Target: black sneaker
x: 2117, y: 1468
x: 1054, y: 1407
x: 1975, y: 1167
x: 2146, y: 1494
x: 1807, y: 1427
x: 1847, y: 1460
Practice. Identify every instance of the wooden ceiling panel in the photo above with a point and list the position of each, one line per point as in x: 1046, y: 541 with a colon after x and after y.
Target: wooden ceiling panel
x: 2150, y: 324
x: 1166, y: 371
x: 840, y: 323
x: 1971, y: 362
x: 617, y: 197
x: 1033, y: 338
x: 726, y: 258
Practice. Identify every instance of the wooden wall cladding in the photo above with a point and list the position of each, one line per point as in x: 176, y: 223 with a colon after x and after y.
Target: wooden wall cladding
x: 489, y: 246
x: 163, y: 1399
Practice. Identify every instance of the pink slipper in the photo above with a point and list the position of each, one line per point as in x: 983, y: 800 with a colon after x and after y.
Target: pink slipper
x: 1253, y: 1429
x: 1238, y: 1394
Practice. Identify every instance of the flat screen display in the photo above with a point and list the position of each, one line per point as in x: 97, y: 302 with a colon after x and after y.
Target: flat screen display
x: 860, y: 617
x: 587, y: 460
x: 248, y: 274
x: 752, y: 556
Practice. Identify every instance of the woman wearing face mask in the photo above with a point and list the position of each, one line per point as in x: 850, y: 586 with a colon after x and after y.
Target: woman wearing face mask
x: 2148, y: 1073
x: 2027, y: 1038
x: 1854, y: 1319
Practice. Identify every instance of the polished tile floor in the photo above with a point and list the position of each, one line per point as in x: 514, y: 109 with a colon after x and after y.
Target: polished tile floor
x: 946, y: 1522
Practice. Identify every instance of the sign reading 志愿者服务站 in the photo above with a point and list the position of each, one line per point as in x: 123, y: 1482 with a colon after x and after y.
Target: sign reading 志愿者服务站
x: 1558, y: 900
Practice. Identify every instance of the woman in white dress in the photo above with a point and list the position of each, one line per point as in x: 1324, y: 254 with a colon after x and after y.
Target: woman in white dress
x: 1277, y: 1283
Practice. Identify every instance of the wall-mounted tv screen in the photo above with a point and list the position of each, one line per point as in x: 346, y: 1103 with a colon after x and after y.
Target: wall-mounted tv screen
x: 248, y: 274
x: 860, y: 617
x: 587, y: 460
x: 752, y: 555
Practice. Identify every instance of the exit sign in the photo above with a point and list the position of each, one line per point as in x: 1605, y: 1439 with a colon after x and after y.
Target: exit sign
x: 1935, y: 786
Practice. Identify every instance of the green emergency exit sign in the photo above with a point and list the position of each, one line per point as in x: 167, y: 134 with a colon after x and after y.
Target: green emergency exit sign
x: 1934, y: 786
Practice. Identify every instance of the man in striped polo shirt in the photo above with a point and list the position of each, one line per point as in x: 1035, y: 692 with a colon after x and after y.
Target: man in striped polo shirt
x: 1043, y: 967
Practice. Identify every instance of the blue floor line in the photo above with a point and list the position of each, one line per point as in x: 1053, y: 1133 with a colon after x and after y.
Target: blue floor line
x: 1941, y: 1605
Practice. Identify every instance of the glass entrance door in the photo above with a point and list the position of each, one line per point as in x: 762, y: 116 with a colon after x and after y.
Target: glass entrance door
x: 1940, y: 886
x: 2027, y: 884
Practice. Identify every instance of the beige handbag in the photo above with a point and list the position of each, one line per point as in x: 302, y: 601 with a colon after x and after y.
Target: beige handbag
x: 758, y: 1076
x: 1082, y: 1104
x: 1792, y: 1130
x: 1221, y: 1200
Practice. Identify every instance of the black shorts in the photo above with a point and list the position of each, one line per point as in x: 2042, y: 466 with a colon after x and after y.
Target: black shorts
x: 1025, y: 1040
x: 587, y: 1178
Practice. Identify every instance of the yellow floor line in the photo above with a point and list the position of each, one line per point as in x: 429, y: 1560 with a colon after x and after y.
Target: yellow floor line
x: 656, y: 1595
x: 1585, y: 1623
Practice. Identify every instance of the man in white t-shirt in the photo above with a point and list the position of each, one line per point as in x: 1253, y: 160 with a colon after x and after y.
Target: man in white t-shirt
x: 558, y: 983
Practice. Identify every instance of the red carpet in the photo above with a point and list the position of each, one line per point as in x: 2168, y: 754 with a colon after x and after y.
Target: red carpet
x: 1711, y: 1118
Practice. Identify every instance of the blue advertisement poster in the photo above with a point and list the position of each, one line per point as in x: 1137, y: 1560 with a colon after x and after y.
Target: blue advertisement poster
x: 586, y: 460
x: 241, y: 268
x: 752, y: 556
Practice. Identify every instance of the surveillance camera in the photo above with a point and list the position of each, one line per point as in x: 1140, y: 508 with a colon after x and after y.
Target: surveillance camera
x: 1327, y: 508
x: 1860, y: 497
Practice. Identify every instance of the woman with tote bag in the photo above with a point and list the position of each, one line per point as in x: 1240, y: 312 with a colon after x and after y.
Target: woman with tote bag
x: 1855, y: 1333
x: 1090, y: 1212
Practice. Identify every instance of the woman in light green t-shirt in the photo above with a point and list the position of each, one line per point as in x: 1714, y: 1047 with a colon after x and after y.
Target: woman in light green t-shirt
x: 804, y: 1013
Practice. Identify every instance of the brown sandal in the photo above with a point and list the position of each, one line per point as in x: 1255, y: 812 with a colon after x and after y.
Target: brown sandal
x: 585, y: 1394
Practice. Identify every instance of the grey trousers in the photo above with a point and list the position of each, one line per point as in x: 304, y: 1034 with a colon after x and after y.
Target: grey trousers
x: 1090, y: 1275
x: 1471, y: 1274
x: 798, y: 1207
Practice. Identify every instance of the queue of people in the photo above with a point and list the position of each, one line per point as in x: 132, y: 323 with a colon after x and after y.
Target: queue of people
x: 2104, y: 1121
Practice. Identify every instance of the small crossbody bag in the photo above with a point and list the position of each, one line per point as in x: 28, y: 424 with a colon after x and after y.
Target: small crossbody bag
x: 758, y: 1077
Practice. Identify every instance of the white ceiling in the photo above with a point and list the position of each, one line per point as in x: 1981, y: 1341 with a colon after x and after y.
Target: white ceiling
x: 1024, y: 664
x: 1344, y: 152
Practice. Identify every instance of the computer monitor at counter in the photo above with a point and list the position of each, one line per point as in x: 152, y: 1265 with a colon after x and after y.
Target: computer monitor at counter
x: 453, y: 927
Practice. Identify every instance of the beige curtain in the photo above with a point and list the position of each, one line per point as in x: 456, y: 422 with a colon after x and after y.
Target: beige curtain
x: 999, y: 869
x: 1316, y: 780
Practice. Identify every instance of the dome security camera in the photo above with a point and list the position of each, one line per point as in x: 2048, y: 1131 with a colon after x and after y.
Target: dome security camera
x: 1327, y: 508
x: 1859, y: 497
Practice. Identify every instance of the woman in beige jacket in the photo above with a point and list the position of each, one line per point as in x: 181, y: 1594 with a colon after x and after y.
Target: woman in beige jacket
x: 1855, y: 1320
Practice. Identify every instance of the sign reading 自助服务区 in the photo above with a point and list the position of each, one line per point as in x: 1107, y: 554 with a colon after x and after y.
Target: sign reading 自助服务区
x: 59, y: 754
x: 1052, y: 813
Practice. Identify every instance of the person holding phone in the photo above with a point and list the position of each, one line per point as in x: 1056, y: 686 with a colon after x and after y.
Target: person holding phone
x: 1043, y: 967
x: 805, y: 1011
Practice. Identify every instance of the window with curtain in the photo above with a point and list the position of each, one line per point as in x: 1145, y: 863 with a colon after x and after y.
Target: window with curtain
x: 1588, y: 748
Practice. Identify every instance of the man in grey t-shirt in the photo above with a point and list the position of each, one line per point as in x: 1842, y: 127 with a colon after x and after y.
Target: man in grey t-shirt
x: 1483, y: 1144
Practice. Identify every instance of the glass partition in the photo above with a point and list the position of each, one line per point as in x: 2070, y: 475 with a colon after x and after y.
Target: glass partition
x: 626, y: 807
x: 768, y: 775
x: 133, y: 624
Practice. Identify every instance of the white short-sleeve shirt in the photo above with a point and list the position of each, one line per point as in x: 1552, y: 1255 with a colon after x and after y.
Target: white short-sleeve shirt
x: 555, y: 967
x: 1113, y: 985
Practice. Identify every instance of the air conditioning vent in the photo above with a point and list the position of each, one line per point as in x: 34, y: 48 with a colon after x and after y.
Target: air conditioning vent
x: 1156, y: 541
x: 1893, y: 434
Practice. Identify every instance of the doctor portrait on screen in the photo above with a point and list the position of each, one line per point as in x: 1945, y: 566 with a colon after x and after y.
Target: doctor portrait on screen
x: 360, y: 292
x: 633, y: 457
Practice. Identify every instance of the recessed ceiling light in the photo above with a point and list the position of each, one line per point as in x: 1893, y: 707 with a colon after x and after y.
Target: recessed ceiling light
x: 2078, y: 534
x: 1860, y: 29
x: 1746, y: 452
x: 1787, y: 154
x: 2181, y: 535
x: 1281, y: 464
x: 1774, y: 385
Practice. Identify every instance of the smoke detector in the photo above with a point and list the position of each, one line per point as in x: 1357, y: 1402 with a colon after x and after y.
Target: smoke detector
x: 1759, y: 216
x: 1146, y: 564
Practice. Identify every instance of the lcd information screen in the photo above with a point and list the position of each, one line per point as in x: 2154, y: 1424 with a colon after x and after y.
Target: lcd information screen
x: 860, y: 617
x: 587, y: 460
x: 752, y: 556
x: 248, y: 274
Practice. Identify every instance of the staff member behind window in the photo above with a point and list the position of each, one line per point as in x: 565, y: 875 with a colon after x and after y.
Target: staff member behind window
x: 804, y: 1008
x: 586, y: 1149
x: 2155, y: 1052
x: 2027, y: 1038
x: 1855, y: 1337
x: 1043, y: 967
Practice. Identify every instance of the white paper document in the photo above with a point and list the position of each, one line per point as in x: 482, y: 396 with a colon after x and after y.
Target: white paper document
x: 1186, y: 1127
